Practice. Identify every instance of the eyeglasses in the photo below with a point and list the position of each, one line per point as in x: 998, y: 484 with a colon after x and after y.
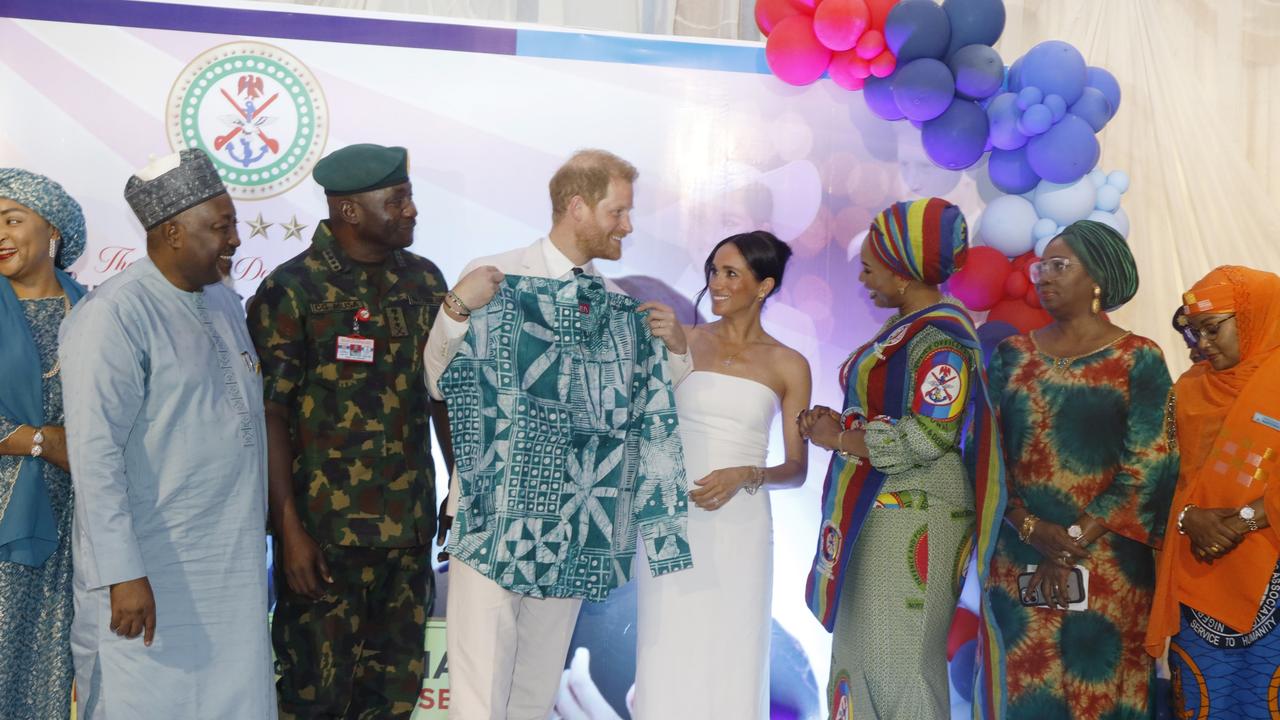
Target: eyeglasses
x: 1048, y: 268
x: 1210, y: 331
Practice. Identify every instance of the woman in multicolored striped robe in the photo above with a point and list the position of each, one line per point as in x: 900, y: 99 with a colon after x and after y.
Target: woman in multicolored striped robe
x: 916, y: 476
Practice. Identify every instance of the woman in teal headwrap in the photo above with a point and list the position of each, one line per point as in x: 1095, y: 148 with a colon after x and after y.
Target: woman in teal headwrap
x: 41, y: 234
x: 915, y: 454
x: 1090, y: 474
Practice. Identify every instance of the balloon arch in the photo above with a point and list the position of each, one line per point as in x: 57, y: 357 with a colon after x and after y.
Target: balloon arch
x: 1035, y: 120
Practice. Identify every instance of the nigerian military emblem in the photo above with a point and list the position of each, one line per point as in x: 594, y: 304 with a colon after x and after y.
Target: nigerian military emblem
x: 256, y: 110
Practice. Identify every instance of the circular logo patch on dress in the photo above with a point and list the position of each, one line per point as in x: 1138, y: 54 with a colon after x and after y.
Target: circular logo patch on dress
x: 256, y: 110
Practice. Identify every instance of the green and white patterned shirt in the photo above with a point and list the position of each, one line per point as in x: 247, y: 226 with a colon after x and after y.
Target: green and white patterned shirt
x: 565, y: 438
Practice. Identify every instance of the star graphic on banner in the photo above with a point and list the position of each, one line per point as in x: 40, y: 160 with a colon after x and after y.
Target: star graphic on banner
x: 258, y: 226
x: 293, y: 229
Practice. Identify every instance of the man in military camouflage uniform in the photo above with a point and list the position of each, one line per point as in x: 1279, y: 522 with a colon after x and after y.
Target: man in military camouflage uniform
x: 340, y: 331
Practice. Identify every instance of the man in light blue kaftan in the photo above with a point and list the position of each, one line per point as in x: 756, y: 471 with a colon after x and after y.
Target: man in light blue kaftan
x: 165, y: 428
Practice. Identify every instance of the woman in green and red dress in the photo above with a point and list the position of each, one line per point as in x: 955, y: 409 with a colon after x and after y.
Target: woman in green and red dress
x: 1090, y: 471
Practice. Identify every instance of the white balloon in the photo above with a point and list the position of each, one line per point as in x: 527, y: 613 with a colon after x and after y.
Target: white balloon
x: 1006, y: 225
x: 1065, y: 204
x: 1098, y: 177
x: 1044, y: 229
x: 1041, y: 245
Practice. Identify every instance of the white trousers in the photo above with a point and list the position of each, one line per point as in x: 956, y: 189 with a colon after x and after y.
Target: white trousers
x: 506, y: 650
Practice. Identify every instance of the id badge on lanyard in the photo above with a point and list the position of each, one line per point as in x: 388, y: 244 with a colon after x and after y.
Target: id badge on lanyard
x: 355, y: 347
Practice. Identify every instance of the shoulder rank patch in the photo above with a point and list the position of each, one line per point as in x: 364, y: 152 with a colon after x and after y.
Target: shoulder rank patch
x: 944, y: 380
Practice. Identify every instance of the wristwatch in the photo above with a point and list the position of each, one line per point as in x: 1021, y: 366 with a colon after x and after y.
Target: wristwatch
x: 1075, y: 532
x: 37, y: 443
x: 1247, y: 514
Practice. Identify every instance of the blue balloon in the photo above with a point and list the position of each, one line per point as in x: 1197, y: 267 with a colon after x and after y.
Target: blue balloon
x: 1035, y: 120
x: 957, y: 138
x: 878, y: 94
x: 973, y: 22
x: 1108, y: 198
x: 1097, y: 177
x: 1056, y: 105
x: 1029, y: 96
x: 1105, y: 82
x: 978, y: 71
x: 1044, y: 228
x: 1002, y: 113
x: 917, y: 29
x: 923, y: 88
x: 1056, y: 68
x: 1010, y: 172
x: 1118, y: 179
x: 990, y: 334
x: 1093, y: 108
x: 1066, y: 152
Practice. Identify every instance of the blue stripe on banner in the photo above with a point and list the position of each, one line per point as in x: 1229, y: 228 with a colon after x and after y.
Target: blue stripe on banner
x: 242, y: 22
x: 641, y: 51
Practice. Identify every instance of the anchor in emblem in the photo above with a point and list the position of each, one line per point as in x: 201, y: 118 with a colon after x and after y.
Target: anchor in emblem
x: 247, y: 124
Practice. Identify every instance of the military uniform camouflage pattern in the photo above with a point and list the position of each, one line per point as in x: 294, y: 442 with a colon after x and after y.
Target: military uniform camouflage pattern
x: 564, y: 429
x: 363, y: 475
x: 356, y: 653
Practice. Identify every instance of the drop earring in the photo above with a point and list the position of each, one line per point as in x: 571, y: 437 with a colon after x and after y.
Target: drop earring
x: 53, y: 247
x: 1096, y: 306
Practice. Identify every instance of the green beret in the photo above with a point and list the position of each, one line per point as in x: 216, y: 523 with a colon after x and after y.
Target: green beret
x: 361, y: 168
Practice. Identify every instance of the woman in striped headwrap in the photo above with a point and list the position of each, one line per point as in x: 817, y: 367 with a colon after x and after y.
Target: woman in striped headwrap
x: 900, y: 484
x: 1090, y: 472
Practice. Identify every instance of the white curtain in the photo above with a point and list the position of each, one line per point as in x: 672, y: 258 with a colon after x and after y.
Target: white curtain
x: 1196, y: 128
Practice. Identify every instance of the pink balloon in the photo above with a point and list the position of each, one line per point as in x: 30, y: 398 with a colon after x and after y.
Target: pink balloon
x: 884, y: 64
x: 870, y: 44
x: 771, y: 12
x: 794, y: 53
x: 845, y: 68
x: 839, y: 23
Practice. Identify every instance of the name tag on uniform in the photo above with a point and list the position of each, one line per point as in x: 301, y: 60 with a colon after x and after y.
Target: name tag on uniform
x: 353, y: 348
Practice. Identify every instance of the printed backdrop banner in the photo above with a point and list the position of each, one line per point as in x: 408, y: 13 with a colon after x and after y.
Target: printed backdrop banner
x: 93, y: 90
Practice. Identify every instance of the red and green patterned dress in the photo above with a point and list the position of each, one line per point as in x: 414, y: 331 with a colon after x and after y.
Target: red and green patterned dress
x: 1084, y: 434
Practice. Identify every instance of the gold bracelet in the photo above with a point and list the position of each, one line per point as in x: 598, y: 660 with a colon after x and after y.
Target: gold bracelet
x: 1028, y: 527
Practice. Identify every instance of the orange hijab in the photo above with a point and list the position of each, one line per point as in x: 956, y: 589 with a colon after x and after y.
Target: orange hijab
x: 1228, y: 425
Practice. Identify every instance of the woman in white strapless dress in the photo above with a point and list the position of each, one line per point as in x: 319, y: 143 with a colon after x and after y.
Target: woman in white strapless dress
x: 703, y: 633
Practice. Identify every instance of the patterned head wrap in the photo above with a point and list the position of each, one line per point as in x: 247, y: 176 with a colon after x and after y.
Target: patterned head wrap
x: 51, y: 202
x: 1215, y: 293
x: 1107, y: 259
x: 172, y: 184
x: 922, y: 239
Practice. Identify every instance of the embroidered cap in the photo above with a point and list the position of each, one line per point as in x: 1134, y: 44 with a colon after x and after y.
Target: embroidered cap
x: 172, y: 184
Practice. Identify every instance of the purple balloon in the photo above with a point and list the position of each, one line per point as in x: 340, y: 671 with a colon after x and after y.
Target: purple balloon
x: 917, y: 29
x: 923, y: 88
x: 1056, y: 105
x: 956, y: 138
x: 978, y: 71
x: 1094, y: 108
x: 973, y: 22
x: 1037, y: 119
x: 1056, y: 68
x: 1010, y: 172
x: 1013, y: 80
x: 1003, y: 116
x: 878, y: 94
x: 1029, y: 96
x: 1107, y: 84
x: 1066, y: 152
